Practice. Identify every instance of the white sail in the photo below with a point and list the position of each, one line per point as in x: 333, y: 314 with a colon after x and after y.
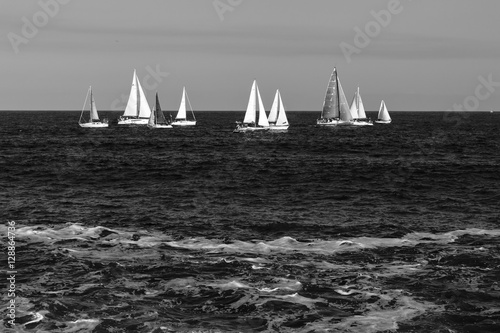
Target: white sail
x: 152, y: 120
x: 137, y: 105
x: 361, y: 107
x: 273, y: 114
x: 383, y: 114
x: 251, y: 113
x: 131, y: 108
x: 282, y: 119
x: 181, y: 114
x: 93, y: 109
x: 262, y: 112
x: 144, y: 109
x: 354, y: 106
x: 345, y: 112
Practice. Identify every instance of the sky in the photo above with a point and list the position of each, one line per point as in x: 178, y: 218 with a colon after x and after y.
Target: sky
x: 429, y: 55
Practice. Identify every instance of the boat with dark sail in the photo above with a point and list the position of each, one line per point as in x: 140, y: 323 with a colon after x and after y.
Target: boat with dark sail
x: 157, y: 118
x: 336, y: 110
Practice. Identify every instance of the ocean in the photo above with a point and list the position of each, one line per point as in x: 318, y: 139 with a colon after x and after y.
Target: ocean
x: 384, y: 228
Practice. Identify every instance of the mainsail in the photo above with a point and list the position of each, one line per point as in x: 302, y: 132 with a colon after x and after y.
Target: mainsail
x: 93, y: 109
x: 181, y: 115
x: 273, y: 113
x: 251, y: 112
x: 331, y: 103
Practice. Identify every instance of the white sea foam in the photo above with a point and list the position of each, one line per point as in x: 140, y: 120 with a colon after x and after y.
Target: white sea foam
x: 147, y: 239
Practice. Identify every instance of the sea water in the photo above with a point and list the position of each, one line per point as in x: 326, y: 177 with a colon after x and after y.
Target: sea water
x: 387, y: 228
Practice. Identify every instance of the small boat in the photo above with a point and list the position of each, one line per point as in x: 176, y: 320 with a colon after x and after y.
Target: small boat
x: 250, y: 122
x: 157, y: 118
x: 336, y: 110
x: 137, y: 111
x: 94, y: 121
x: 181, y: 118
x: 277, y: 116
x: 383, y: 115
x: 358, y: 111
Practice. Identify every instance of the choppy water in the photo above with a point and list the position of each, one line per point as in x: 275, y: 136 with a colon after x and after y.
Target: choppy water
x: 391, y: 228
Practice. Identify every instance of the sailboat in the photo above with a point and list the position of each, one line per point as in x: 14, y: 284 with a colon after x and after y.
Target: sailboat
x: 137, y: 111
x: 335, y: 108
x: 358, y: 111
x: 277, y: 117
x: 181, y: 119
x: 250, y: 122
x: 94, y: 121
x: 157, y: 118
x: 383, y: 115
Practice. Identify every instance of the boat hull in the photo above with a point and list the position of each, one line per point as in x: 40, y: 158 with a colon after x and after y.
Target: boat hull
x: 330, y: 123
x: 383, y: 121
x: 180, y: 123
x: 250, y: 129
x: 362, y: 123
x: 278, y: 127
x: 94, y: 125
x: 133, y: 121
x: 160, y: 126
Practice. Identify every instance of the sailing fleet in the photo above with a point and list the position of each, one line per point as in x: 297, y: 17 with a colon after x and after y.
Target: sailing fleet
x: 336, y: 110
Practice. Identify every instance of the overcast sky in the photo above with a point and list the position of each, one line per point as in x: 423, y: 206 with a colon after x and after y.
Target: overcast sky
x: 416, y: 55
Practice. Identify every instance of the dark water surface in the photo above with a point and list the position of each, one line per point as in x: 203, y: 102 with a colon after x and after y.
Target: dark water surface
x: 389, y: 228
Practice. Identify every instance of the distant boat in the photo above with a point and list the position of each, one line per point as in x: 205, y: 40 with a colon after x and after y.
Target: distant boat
x: 157, y: 118
x: 94, y: 121
x: 277, y: 117
x: 137, y: 111
x: 335, y: 107
x: 250, y: 122
x: 358, y: 111
x: 181, y: 118
x: 383, y: 115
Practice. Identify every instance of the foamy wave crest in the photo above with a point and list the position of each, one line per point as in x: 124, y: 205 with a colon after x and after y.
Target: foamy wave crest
x: 144, y: 238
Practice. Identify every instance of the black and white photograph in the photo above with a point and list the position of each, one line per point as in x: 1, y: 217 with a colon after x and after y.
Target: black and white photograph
x: 239, y: 166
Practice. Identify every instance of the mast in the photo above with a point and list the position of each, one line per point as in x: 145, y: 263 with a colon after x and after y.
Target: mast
x: 138, y: 106
x: 338, y: 93
x: 84, y: 103
x: 357, y: 100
